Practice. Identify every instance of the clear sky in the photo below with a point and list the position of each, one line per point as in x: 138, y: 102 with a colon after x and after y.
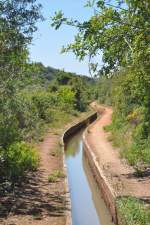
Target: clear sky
x: 47, y: 42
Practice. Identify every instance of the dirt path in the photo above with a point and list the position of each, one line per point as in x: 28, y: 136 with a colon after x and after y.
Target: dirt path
x: 119, y: 174
x: 38, y: 202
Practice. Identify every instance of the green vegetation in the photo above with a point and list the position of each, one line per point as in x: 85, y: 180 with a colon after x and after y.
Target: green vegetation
x: 33, y: 97
x: 19, y: 158
x: 52, y: 179
x: 129, y: 129
x: 17, y: 114
x: 120, y: 30
x: 55, y: 175
x: 133, y: 211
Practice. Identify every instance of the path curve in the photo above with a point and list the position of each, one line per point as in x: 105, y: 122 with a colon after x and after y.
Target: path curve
x: 118, y: 173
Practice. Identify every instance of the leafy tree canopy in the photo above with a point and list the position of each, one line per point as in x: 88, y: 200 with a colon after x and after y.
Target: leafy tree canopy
x: 17, y: 23
x: 120, y: 29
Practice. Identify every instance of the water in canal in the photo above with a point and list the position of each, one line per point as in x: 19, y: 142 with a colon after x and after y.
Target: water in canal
x: 88, y: 207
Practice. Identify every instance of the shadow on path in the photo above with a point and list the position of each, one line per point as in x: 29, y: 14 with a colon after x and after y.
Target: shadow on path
x: 145, y: 175
x: 34, y: 197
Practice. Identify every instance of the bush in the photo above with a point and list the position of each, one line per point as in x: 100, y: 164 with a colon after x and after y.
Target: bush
x: 66, y: 99
x: 43, y: 101
x: 132, y: 154
x: 20, y: 157
x: 130, y: 126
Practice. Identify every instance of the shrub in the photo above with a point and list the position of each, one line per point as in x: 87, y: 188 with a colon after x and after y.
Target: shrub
x: 66, y: 98
x: 20, y: 157
x: 138, y: 154
x: 132, y: 154
x: 43, y: 101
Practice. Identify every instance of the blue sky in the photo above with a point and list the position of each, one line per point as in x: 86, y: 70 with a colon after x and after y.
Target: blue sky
x: 47, y: 42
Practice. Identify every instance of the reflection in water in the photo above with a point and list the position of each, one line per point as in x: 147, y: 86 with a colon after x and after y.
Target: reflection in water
x: 73, y: 148
x: 102, y: 212
x: 88, y: 207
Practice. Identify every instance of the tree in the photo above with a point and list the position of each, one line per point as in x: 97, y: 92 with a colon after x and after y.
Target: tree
x: 66, y: 98
x: 17, y: 22
x: 63, y: 78
x: 120, y: 29
x: 81, y: 89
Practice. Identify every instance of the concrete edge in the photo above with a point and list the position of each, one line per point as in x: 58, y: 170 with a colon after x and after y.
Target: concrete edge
x: 67, y: 193
x: 64, y: 138
x: 107, y: 191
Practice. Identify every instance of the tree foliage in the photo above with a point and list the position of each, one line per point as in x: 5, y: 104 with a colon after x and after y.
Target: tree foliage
x: 17, y: 23
x: 120, y: 30
x: 32, y: 97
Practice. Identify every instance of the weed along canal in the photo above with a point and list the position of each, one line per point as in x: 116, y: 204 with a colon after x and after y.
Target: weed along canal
x: 88, y: 207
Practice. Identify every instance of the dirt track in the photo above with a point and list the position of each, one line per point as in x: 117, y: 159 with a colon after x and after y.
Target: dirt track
x: 38, y: 202
x: 119, y: 174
